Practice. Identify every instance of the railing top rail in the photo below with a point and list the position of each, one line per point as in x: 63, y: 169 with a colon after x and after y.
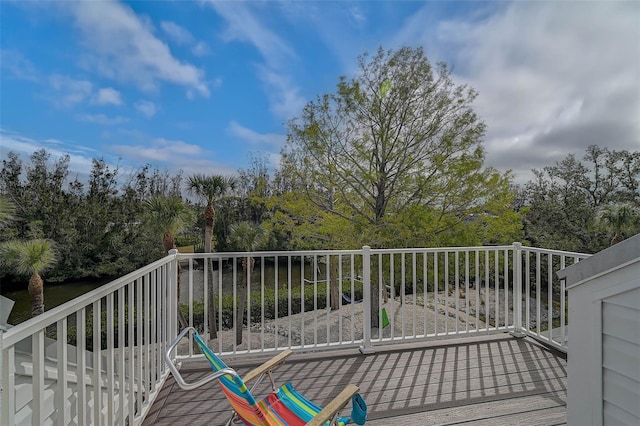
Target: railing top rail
x: 440, y: 249
x: 32, y: 325
x: 240, y: 254
x: 337, y: 252
x: 556, y: 252
x: 374, y: 251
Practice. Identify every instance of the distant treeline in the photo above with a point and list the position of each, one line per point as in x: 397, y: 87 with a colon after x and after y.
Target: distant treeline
x: 101, y: 227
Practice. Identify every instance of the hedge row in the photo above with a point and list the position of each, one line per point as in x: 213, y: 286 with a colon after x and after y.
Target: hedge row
x: 270, y: 303
x: 310, y: 303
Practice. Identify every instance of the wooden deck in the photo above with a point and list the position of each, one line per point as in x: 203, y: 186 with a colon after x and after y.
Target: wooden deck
x: 485, y: 380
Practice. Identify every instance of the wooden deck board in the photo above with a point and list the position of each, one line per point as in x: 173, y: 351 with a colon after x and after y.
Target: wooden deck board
x: 495, y: 379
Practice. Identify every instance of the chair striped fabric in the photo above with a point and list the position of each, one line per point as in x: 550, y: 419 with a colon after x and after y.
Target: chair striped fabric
x: 285, y: 406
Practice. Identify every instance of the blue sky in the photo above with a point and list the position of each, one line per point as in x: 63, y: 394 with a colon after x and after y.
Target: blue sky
x: 200, y: 86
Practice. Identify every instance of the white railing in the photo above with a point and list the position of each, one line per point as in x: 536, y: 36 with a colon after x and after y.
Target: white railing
x: 51, y: 375
x: 407, y: 294
x: 545, y: 310
x: 306, y: 300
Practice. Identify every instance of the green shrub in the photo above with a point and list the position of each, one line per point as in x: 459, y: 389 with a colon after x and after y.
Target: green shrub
x: 255, y: 304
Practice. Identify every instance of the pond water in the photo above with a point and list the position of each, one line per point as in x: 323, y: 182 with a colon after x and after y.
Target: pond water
x: 54, y: 295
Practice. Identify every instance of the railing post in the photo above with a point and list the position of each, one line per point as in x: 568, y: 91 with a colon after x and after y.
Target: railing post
x: 517, y: 290
x: 3, y: 418
x: 366, y: 347
x: 173, y: 295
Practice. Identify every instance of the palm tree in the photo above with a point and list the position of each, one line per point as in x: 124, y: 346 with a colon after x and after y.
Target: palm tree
x: 210, y: 189
x: 30, y: 258
x: 248, y: 237
x: 618, y: 219
x: 168, y: 215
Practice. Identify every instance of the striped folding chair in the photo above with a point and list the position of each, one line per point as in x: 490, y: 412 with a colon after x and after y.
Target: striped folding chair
x: 284, y: 406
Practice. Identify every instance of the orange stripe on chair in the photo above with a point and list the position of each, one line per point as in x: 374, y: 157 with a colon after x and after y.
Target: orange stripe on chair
x: 284, y: 407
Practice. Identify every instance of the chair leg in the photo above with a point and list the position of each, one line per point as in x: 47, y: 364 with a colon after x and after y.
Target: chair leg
x: 234, y: 415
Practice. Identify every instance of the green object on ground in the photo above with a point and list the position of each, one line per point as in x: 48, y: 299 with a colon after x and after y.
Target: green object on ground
x: 385, y: 318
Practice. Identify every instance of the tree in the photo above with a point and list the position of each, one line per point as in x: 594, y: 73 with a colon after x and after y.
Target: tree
x: 210, y: 189
x: 398, y: 142
x: 7, y: 215
x: 618, y: 219
x: 254, y: 189
x: 400, y: 134
x: 7, y: 212
x: 30, y: 258
x: 566, y: 203
x: 95, y: 222
x: 167, y: 215
x: 248, y: 237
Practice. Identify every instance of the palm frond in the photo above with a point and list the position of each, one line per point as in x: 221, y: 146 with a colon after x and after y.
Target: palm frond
x: 247, y: 236
x: 209, y: 187
x: 618, y: 218
x: 167, y: 213
x: 28, y: 257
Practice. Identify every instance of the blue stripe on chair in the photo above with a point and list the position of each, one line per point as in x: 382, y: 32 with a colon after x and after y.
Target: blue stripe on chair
x: 297, y: 403
x: 233, y: 384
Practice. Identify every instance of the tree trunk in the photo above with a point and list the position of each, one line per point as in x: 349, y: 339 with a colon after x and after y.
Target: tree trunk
x: 375, y: 305
x: 36, y: 291
x: 375, y: 296
x: 168, y: 241
x: 243, y: 299
x: 209, y: 220
x: 213, y: 318
x: 336, y: 297
x: 618, y: 237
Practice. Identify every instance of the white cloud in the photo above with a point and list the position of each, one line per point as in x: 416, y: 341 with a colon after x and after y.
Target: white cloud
x: 181, y: 36
x: 178, y: 34
x: 25, y: 146
x: 12, y: 141
x: 275, y: 160
x: 175, y: 155
x: 269, y: 140
x: 107, y: 96
x: 102, y: 119
x: 18, y: 65
x: 201, y: 49
x: 147, y: 108
x: 357, y: 16
x: 284, y: 95
x: 553, y: 78
x: 67, y: 91
x: 122, y: 46
x: 160, y: 149
x: 243, y: 25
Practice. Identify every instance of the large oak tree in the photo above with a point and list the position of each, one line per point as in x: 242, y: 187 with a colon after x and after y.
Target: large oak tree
x: 397, y: 144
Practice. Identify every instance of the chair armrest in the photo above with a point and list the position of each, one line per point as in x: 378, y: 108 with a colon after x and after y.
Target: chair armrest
x: 336, y: 404
x: 178, y: 377
x: 267, y: 366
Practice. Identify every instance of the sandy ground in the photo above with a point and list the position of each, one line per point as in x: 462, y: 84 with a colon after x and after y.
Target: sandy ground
x: 346, y: 325
x: 430, y: 316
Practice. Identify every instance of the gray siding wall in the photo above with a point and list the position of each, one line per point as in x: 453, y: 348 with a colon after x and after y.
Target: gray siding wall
x: 620, y: 355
